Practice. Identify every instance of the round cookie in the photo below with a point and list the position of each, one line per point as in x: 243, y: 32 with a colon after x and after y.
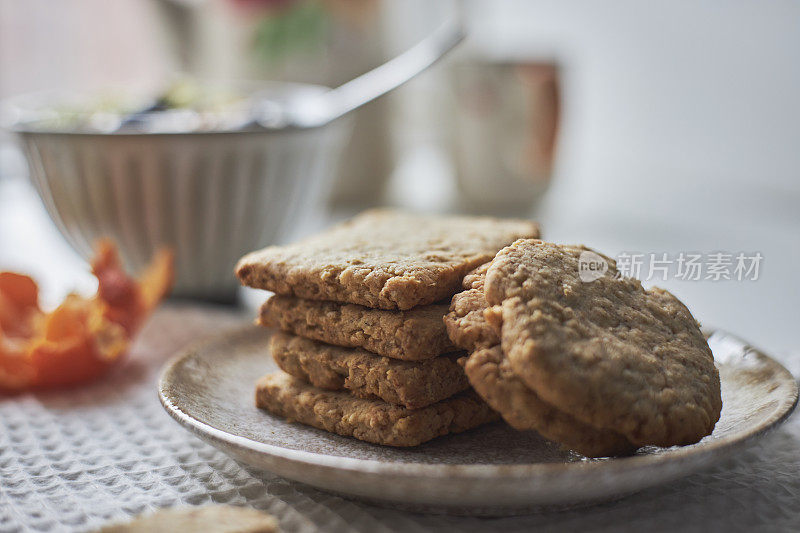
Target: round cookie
x: 490, y: 374
x: 607, y: 352
x: 466, y: 325
x: 472, y: 325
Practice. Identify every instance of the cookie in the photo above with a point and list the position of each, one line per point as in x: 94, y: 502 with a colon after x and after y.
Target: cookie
x: 412, y: 335
x: 369, y: 420
x: 383, y: 259
x: 493, y: 379
x: 607, y: 352
x: 470, y: 324
x: 367, y: 375
x: 466, y: 323
x: 210, y: 519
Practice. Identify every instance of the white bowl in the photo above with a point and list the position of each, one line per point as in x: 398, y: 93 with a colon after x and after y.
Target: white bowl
x: 211, y: 196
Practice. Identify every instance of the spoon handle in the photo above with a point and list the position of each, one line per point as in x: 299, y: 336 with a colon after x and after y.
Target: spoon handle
x: 394, y: 72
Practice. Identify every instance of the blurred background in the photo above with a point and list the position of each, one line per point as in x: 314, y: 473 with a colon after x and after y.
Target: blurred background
x: 627, y: 126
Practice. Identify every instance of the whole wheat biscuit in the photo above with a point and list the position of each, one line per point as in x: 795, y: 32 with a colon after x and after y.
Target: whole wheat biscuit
x: 493, y: 379
x: 608, y: 352
x: 383, y: 259
x: 466, y: 323
x: 369, y: 420
x: 208, y: 519
x: 491, y: 376
x: 367, y: 375
x: 412, y: 335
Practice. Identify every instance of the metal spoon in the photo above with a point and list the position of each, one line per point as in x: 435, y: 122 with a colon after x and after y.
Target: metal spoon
x: 315, y: 111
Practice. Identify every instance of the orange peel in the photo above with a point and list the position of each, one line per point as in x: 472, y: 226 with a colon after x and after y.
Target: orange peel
x: 82, y: 338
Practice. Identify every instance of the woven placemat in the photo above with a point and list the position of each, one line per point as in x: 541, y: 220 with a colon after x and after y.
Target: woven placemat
x: 73, y: 460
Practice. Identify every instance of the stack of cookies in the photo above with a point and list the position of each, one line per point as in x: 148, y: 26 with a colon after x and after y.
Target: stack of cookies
x: 601, y: 365
x: 371, y: 323
x: 363, y: 346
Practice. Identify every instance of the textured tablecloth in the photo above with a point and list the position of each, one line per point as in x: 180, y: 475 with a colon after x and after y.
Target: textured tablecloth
x: 70, y: 461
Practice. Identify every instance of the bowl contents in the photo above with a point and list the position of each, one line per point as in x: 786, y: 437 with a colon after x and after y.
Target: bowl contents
x: 183, y: 106
x: 82, y: 338
x: 599, y: 365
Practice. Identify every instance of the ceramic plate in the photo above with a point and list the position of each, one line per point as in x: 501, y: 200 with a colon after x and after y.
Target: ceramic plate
x: 490, y: 470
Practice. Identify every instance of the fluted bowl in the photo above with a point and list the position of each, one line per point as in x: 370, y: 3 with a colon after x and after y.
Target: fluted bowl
x: 210, y: 195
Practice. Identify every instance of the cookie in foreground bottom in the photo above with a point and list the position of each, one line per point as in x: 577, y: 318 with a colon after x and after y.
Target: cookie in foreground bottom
x: 369, y: 420
x: 209, y: 519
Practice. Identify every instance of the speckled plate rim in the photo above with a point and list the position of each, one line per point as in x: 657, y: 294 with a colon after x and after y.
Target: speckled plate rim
x: 695, y: 454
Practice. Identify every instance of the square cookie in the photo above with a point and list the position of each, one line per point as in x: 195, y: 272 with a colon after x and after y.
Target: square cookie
x: 367, y: 375
x: 382, y: 258
x: 411, y: 335
x: 369, y: 420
